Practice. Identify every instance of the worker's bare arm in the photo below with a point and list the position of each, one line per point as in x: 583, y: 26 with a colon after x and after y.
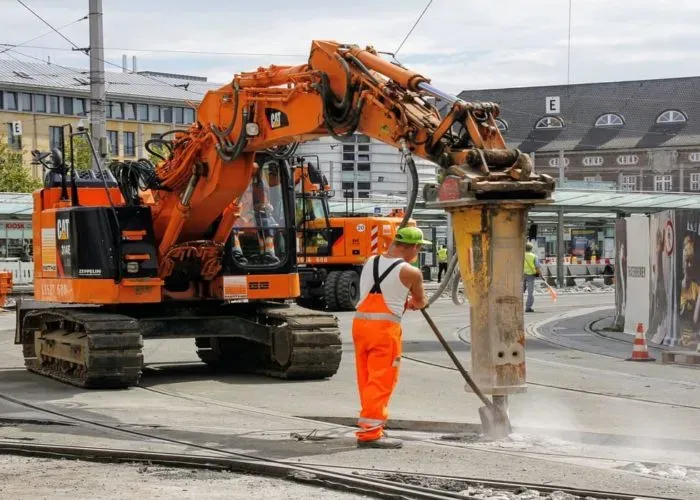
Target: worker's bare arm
x: 412, y: 278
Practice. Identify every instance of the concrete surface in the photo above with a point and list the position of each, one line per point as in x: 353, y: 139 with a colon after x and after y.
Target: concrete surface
x: 584, y: 418
x: 57, y: 481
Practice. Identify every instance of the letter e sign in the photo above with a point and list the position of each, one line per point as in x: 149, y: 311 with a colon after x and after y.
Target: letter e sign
x: 552, y: 105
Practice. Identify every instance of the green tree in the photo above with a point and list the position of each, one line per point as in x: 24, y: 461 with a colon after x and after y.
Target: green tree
x: 82, y: 153
x: 14, y: 176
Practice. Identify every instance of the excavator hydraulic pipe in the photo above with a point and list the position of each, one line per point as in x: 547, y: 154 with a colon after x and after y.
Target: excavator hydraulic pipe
x: 437, y: 93
x: 404, y: 77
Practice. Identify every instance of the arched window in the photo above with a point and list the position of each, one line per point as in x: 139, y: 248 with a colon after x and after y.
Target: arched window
x: 501, y: 124
x: 609, y: 120
x: 549, y: 122
x: 671, y: 116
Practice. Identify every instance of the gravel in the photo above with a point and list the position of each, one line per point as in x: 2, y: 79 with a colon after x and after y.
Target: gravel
x: 35, y: 478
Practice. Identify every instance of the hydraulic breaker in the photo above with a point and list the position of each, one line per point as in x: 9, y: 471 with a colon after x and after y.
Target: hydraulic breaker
x: 489, y: 222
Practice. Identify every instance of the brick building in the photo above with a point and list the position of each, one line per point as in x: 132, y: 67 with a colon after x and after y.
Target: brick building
x: 44, y: 97
x: 637, y: 135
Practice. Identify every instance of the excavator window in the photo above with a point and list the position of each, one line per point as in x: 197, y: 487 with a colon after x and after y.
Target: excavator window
x: 259, y: 234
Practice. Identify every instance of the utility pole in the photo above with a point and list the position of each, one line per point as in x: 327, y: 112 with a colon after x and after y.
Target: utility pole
x: 98, y: 123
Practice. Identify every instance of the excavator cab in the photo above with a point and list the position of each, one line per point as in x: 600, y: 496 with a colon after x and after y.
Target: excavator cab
x: 262, y: 236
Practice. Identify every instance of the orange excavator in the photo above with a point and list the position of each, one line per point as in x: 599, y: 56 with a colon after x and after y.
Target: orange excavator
x: 332, y: 249
x: 202, y: 244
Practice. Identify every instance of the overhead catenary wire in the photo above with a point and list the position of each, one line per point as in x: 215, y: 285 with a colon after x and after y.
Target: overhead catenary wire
x: 171, y: 51
x: 26, y: 42
x: 412, y: 28
x: 49, y: 25
x: 86, y: 53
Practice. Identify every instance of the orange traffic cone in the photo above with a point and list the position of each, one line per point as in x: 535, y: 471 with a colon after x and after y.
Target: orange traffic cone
x: 640, y: 352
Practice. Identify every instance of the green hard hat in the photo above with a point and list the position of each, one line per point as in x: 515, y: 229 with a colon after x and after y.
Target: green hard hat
x: 411, y: 236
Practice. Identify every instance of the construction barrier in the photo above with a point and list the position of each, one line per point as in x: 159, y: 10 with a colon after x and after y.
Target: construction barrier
x: 5, y: 286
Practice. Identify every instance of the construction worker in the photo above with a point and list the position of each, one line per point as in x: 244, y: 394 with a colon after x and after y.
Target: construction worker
x: 531, y: 269
x: 442, y: 261
x: 389, y: 285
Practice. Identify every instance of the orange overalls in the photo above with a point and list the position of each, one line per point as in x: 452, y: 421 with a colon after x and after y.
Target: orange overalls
x: 376, y: 332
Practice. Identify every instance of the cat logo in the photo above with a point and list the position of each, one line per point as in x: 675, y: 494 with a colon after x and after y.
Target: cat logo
x: 63, y: 227
x: 276, y: 119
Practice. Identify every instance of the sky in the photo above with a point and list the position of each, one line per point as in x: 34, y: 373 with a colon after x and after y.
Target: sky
x: 458, y: 44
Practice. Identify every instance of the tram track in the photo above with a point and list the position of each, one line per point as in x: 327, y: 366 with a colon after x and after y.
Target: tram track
x: 377, y: 483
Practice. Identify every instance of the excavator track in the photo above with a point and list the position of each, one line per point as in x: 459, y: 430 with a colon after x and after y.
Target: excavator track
x: 93, y: 350
x: 305, y: 345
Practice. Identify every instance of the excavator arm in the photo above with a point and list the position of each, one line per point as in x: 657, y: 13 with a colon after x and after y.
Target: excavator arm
x: 342, y: 89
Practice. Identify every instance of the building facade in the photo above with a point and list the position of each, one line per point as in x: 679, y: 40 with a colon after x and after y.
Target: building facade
x: 636, y: 135
x: 37, y: 100
x: 362, y: 167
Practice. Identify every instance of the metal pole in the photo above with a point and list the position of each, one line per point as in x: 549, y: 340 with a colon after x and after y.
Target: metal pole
x: 97, y: 81
x: 560, y: 248
x: 562, y: 177
x: 330, y: 175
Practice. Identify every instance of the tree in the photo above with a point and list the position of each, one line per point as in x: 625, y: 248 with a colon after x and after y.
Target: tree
x: 82, y: 153
x: 14, y: 177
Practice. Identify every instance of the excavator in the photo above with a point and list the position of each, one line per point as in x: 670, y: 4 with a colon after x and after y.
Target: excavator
x: 202, y: 244
x: 332, y: 249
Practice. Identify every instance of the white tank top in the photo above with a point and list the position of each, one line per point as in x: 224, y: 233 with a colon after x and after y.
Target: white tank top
x: 394, y: 292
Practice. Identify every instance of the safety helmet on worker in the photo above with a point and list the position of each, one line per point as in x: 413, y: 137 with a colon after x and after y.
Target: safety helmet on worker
x: 410, y: 235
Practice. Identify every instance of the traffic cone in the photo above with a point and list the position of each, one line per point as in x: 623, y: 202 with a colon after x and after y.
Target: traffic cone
x: 640, y: 352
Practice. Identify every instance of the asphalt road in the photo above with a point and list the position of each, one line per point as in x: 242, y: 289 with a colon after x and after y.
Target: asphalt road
x: 585, y: 413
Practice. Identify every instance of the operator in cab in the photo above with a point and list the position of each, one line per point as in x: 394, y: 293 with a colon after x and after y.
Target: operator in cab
x: 389, y: 285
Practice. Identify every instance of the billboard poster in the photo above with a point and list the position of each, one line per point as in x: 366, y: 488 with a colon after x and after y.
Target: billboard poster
x: 637, y: 273
x: 688, y: 279
x: 581, y: 239
x: 620, y: 273
x: 662, y: 291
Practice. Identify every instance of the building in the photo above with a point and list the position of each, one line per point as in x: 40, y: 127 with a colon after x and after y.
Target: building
x: 362, y: 167
x: 636, y: 135
x: 37, y: 100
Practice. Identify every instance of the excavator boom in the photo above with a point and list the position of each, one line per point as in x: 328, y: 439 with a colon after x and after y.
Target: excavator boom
x: 164, y: 249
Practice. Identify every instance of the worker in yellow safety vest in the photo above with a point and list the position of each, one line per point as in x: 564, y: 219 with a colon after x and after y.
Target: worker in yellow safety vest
x: 442, y: 261
x: 531, y: 269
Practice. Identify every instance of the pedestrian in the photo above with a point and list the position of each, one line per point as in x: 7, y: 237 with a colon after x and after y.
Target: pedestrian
x: 532, y: 271
x: 389, y: 285
x: 442, y: 261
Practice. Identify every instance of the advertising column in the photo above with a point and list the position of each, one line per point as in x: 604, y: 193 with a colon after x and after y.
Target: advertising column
x: 620, y: 273
x: 637, y: 280
x: 687, y: 333
x: 662, y: 236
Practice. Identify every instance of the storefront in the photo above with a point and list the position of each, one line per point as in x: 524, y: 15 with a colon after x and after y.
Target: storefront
x: 16, y: 239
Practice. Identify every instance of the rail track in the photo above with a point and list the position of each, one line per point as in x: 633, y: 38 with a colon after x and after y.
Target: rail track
x: 377, y: 483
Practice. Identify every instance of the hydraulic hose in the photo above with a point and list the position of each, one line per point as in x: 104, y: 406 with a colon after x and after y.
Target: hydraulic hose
x: 446, y: 280
x: 413, y: 171
x: 455, y: 287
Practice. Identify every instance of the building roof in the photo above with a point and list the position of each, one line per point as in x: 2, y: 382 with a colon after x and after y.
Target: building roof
x: 639, y: 103
x: 119, y: 85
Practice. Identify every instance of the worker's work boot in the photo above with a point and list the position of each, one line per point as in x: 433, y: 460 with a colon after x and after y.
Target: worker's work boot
x: 382, y: 442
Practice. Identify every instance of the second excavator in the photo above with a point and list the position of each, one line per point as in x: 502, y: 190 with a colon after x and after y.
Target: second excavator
x: 202, y: 245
